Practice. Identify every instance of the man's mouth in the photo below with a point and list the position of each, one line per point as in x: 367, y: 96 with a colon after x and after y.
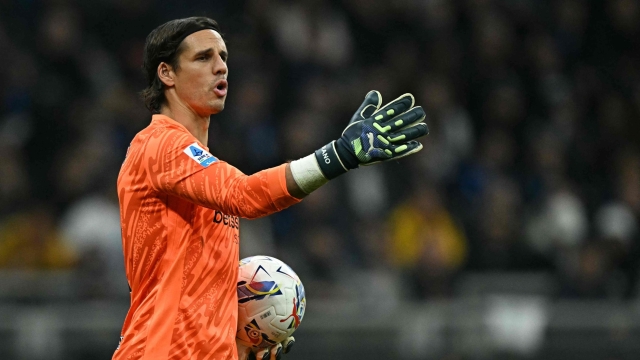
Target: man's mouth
x: 220, y: 88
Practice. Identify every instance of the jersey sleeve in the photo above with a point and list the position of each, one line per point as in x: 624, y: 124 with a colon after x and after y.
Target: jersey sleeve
x: 179, y: 165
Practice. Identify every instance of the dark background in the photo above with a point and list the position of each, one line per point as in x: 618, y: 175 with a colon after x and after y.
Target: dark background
x: 513, y: 234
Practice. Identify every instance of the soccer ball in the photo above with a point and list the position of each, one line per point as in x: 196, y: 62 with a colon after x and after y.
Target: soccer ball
x: 271, y: 301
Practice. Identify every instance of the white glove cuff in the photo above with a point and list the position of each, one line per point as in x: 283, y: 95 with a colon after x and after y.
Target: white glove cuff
x: 307, y: 174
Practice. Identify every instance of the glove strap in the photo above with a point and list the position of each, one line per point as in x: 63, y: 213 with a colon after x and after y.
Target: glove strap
x: 329, y: 161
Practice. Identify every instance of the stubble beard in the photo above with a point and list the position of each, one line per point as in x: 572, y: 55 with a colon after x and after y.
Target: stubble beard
x: 217, y: 106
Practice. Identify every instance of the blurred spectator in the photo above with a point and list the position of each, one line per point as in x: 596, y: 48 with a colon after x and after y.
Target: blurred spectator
x: 616, y: 222
x: 498, y: 241
x: 588, y: 273
x: 628, y: 180
x: 92, y: 228
x: 29, y: 240
x: 426, y: 243
x: 14, y: 181
x: 368, y: 195
x: 562, y: 224
x: 451, y: 130
x: 311, y: 31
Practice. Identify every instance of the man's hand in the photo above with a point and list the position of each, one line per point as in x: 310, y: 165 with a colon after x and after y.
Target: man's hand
x: 375, y: 134
x: 271, y: 353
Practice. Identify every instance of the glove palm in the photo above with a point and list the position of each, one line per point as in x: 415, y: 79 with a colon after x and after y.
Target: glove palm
x: 375, y: 134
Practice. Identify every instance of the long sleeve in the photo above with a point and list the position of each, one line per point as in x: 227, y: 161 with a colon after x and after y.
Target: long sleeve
x: 179, y: 165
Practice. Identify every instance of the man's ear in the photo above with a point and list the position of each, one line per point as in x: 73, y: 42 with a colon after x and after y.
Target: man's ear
x: 166, y: 74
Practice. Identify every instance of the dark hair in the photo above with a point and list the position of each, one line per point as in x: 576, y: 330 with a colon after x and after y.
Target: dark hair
x: 164, y: 45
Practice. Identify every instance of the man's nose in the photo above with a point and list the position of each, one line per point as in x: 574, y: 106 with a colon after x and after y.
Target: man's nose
x: 220, y: 67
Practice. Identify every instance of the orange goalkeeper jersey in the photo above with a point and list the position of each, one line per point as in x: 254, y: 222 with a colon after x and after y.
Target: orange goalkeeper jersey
x: 179, y: 211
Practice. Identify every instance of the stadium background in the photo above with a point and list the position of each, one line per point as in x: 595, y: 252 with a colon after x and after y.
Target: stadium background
x: 512, y: 235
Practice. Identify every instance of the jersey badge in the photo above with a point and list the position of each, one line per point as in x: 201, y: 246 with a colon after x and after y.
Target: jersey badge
x: 200, y: 155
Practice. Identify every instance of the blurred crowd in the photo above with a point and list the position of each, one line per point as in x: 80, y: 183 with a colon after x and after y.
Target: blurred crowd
x: 532, y: 162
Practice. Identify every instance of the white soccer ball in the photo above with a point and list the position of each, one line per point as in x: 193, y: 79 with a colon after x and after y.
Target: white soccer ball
x: 271, y: 301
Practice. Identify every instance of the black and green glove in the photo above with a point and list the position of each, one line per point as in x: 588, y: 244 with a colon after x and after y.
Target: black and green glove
x: 375, y: 134
x: 270, y: 353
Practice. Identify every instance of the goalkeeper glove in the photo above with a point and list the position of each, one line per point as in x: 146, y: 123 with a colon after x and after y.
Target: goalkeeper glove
x: 375, y: 134
x: 270, y: 353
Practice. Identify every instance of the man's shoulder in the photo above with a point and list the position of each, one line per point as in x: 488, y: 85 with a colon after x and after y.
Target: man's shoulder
x: 160, y: 133
x: 161, y: 125
x: 155, y: 143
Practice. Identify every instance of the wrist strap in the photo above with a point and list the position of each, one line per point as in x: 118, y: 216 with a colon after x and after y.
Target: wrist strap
x: 329, y: 161
x: 307, y: 174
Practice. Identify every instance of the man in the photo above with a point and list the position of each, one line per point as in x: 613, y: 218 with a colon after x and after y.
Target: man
x: 181, y: 260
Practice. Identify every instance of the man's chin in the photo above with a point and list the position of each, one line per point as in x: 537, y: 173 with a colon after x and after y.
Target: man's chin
x: 217, y: 106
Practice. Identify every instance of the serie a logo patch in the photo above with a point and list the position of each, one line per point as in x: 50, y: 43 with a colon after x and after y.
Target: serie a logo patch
x: 200, y: 155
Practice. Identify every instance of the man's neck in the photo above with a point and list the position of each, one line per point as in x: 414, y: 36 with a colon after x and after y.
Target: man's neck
x: 197, y: 125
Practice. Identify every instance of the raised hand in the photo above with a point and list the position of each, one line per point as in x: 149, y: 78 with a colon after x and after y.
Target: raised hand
x: 375, y: 134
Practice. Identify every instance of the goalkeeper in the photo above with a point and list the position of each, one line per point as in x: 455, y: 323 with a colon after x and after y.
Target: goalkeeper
x: 180, y: 205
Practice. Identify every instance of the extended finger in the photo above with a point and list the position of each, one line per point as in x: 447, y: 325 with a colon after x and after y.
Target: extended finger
x: 407, y: 149
x: 371, y: 103
x: 409, y: 133
x: 406, y: 119
x: 263, y: 354
x: 288, y: 344
x: 394, y: 108
x: 276, y: 352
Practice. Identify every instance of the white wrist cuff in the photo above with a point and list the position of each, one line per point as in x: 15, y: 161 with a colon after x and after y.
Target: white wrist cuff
x: 306, y: 172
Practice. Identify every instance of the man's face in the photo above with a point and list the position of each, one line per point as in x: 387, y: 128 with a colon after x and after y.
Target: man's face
x: 200, y: 80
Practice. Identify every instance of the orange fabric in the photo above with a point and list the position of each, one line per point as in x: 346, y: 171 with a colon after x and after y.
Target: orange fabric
x: 180, y: 234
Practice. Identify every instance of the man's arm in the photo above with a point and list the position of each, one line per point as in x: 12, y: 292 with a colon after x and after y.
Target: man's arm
x: 292, y: 186
x: 178, y: 165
